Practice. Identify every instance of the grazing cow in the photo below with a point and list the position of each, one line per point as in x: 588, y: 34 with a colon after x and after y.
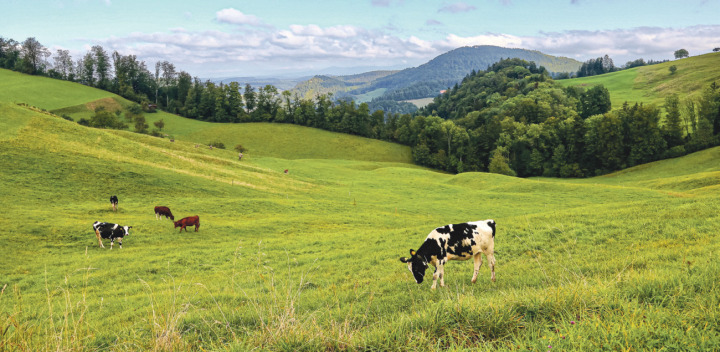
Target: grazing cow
x: 110, y: 231
x: 188, y: 221
x: 454, y: 242
x: 114, y: 202
x: 160, y: 211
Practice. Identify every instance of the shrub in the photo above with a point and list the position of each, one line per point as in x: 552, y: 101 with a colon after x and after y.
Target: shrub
x: 217, y: 144
x: 239, y: 148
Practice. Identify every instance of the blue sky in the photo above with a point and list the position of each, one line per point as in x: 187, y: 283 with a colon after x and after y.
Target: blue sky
x: 220, y: 38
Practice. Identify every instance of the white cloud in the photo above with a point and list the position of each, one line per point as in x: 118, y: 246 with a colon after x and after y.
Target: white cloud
x: 234, y: 16
x: 625, y: 44
x: 312, y: 47
x: 457, y: 7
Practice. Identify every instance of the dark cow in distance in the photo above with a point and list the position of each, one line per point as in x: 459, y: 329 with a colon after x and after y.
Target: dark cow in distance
x: 454, y: 242
x: 110, y: 231
x: 161, y: 211
x: 188, y: 221
x: 114, y: 202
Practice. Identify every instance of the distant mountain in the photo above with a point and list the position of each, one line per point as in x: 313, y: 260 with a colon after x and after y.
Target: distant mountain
x: 450, y: 68
x: 339, y: 86
x: 429, y: 79
x: 256, y: 82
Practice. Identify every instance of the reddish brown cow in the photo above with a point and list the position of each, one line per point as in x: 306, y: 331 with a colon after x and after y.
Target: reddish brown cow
x: 161, y: 211
x: 188, y: 221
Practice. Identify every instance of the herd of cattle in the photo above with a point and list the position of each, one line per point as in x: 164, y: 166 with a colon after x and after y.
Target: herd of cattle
x: 112, y: 231
x: 449, y: 242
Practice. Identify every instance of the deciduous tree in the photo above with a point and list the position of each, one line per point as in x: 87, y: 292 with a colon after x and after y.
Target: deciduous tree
x: 33, y: 55
x: 681, y: 53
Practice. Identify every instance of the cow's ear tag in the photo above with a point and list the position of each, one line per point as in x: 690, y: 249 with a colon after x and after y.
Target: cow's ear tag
x: 412, y: 252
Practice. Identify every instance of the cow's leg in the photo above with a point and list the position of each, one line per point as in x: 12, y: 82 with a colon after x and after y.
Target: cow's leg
x: 157, y: 216
x: 97, y: 233
x: 197, y: 226
x: 112, y: 242
x: 120, y: 242
x: 442, y: 276
x: 491, y: 262
x: 478, y: 263
x: 435, y: 275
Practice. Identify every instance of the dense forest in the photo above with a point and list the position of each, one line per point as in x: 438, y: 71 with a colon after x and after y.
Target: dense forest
x: 511, y: 118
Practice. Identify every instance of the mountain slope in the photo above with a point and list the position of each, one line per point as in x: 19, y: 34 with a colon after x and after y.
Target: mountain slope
x: 439, y: 73
x: 454, y: 65
x: 651, y: 84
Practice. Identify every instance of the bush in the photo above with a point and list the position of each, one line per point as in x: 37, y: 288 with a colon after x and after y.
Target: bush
x: 674, y: 152
x: 216, y: 144
x: 239, y: 148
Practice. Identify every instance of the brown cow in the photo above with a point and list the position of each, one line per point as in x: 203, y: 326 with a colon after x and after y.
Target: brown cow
x: 188, y: 221
x: 161, y: 211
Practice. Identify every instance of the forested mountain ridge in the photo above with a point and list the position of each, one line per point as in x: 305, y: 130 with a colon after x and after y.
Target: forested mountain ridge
x: 427, y: 80
x: 339, y: 86
x: 451, y: 67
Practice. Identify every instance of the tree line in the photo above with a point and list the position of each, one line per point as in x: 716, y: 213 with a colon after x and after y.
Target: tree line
x: 605, y: 64
x: 512, y: 118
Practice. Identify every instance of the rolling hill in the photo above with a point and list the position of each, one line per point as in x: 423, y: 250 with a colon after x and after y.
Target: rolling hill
x: 651, y: 84
x: 308, y: 260
x: 260, y: 139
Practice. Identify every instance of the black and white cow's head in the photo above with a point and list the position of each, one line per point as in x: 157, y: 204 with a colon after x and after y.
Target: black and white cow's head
x: 417, y: 265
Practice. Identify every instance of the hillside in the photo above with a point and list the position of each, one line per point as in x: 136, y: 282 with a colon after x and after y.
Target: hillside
x: 338, y: 86
x: 651, y: 84
x: 308, y: 260
x: 428, y: 79
x: 451, y: 67
x: 260, y: 139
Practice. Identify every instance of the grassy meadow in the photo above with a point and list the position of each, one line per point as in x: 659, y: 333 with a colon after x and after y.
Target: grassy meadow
x: 651, y: 84
x: 308, y: 260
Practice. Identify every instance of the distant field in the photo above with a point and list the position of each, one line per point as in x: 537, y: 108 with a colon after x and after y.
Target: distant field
x: 651, y: 84
x: 370, y: 95
x: 420, y: 103
x: 47, y: 93
x: 308, y: 260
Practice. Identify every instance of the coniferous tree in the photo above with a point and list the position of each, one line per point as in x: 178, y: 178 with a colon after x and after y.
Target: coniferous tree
x: 672, y: 129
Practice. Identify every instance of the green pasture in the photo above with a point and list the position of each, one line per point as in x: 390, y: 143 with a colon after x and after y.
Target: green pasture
x: 260, y: 139
x: 46, y: 93
x: 308, y: 260
x: 651, y: 84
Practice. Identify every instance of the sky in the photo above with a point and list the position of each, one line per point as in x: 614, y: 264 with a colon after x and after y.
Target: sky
x: 222, y: 38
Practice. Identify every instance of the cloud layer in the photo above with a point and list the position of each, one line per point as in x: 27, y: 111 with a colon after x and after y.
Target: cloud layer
x: 250, y: 47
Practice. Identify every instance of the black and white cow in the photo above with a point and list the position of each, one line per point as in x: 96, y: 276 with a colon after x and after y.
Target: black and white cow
x: 454, y: 242
x: 110, y: 231
x: 114, y: 202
